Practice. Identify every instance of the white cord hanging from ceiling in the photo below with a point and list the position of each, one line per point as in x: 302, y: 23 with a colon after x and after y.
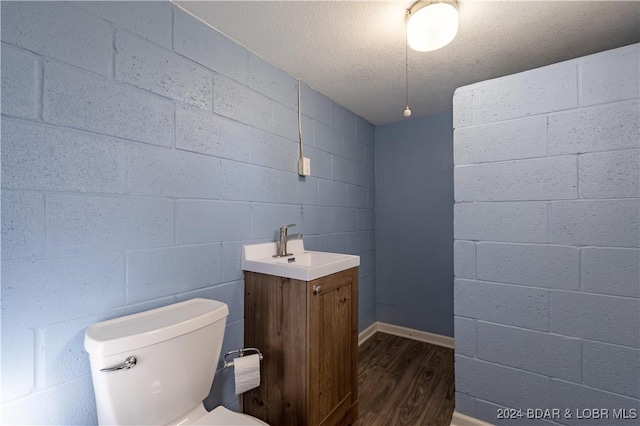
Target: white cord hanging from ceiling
x: 407, y: 110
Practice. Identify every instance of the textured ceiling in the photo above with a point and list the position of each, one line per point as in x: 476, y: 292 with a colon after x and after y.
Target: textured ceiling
x: 354, y: 51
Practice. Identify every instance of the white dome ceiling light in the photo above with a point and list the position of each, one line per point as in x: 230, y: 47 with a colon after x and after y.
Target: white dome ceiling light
x: 431, y: 25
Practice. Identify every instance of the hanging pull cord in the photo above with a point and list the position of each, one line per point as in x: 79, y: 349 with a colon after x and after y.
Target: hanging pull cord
x: 407, y: 110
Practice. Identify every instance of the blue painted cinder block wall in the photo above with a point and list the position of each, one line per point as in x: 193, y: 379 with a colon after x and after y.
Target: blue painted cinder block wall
x: 140, y: 150
x: 547, y: 291
x: 414, y: 223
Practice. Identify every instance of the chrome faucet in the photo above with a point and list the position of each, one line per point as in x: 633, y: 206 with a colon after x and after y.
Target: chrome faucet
x: 284, y: 238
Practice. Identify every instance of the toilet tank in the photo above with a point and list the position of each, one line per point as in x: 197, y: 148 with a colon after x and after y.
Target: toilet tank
x: 177, y: 348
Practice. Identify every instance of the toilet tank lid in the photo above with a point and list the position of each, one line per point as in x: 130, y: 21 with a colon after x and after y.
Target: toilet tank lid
x: 150, y: 327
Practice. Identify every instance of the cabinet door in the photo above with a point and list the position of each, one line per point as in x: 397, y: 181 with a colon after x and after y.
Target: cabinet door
x: 332, y: 347
x: 275, y: 313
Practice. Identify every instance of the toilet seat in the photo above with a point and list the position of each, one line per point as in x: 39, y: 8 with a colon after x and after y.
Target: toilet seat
x: 223, y: 416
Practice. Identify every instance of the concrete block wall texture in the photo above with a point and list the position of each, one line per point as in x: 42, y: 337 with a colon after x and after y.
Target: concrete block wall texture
x: 414, y: 224
x: 141, y: 150
x: 547, y: 288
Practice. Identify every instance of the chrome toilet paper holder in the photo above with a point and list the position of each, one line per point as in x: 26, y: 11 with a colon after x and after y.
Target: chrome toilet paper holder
x: 241, y: 352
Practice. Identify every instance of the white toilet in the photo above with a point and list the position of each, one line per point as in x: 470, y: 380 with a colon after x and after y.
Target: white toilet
x: 156, y: 367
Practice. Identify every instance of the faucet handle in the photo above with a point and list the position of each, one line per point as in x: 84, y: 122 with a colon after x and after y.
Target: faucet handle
x: 285, y: 227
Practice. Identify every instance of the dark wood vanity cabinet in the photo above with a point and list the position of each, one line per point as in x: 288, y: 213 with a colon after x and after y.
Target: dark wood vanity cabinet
x: 308, y: 334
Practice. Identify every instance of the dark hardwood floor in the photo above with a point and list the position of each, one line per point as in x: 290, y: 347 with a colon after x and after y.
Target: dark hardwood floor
x: 404, y: 382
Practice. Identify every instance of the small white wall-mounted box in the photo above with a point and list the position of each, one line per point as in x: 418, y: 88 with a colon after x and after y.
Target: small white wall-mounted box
x: 304, y: 166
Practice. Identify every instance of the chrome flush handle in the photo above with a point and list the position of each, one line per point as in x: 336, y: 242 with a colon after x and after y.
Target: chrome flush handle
x: 128, y: 363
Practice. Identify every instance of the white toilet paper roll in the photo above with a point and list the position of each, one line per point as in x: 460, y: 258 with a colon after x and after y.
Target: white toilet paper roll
x: 246, y: 370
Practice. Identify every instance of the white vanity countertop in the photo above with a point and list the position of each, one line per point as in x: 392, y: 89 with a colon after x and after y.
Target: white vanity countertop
x: 301, y: 265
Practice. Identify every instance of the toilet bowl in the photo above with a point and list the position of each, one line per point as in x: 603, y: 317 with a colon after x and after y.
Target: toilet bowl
x: 156, y: 367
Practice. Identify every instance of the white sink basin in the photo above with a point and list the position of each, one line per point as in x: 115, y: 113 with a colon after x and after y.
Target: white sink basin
x: 301, y: 265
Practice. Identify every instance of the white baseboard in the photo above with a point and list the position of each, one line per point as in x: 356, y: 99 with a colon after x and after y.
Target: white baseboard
x: 367, y: 332
x: 464, y: 420
x: 409, y: 333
